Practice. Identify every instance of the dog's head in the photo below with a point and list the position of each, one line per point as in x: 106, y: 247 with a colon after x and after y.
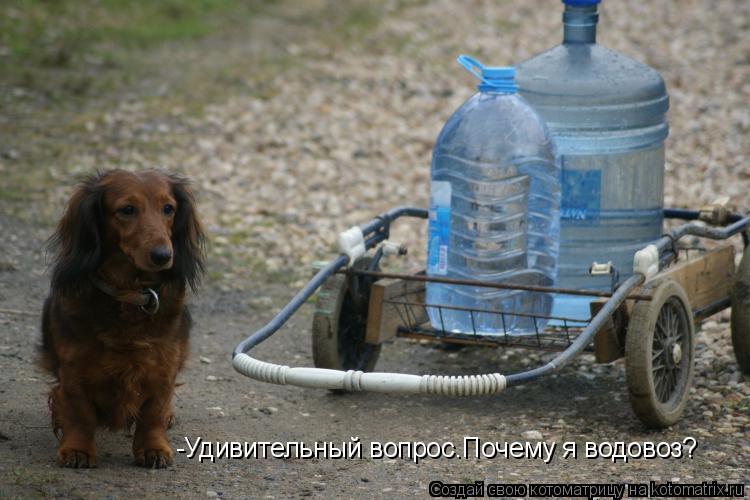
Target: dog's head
x: 147, y: 217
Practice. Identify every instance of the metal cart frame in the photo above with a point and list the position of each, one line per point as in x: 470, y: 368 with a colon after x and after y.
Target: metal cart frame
x: 648, y: 318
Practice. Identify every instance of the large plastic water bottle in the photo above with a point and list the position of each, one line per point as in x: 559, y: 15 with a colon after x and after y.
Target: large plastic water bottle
x: 494, y: 206
x: 607, y: 113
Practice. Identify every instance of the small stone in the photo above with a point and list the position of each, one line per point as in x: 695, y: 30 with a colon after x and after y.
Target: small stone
x: 268, y: 410
x: 205, y: 360
x: 261, y: 302
x: 212, y: 378
x: 11, y: 154
x: 211, y: 494
x: 536, y: 435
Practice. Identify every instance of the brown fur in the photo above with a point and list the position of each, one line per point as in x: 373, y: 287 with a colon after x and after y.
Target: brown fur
x: 115, y: 364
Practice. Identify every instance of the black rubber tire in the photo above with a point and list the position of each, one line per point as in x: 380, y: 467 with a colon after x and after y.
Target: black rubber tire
x: 658, y: 383
x: 741, y: 313
x: 339, y: 325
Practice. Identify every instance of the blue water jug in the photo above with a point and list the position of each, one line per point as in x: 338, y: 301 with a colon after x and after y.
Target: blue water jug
x: 494, y: 211
x: 607, y: 114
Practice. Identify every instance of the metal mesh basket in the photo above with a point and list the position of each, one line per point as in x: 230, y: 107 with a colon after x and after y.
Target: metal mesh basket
x: 412, y: 311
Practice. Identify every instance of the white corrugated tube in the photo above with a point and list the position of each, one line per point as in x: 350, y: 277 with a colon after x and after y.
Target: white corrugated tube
x: 355, y: 381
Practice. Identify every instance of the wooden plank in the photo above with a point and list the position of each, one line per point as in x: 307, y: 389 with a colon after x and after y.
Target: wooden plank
x: 609, y: 341
x: 383, y: 319
x: 707, y: 278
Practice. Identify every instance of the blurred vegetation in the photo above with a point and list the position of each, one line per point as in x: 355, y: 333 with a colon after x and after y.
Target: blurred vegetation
x: 69, y: 48
x: 66, y: 64
x: 57, y: 46
x: 92, y: 82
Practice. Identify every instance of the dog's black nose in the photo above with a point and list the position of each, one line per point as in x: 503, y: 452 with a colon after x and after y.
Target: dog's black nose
x: 160, y: 255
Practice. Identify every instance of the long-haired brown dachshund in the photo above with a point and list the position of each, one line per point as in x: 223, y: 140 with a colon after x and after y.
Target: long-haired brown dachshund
x: 115, y: 326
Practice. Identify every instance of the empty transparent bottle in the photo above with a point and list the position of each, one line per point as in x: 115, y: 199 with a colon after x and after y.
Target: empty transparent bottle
x: 493, y: 210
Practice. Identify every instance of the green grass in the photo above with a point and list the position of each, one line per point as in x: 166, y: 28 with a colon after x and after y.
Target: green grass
x: 59, y: 33
x: 68, y: 51
x: 72, y: 48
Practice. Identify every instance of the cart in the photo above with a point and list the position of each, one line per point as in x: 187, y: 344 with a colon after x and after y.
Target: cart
x: 650, y: 318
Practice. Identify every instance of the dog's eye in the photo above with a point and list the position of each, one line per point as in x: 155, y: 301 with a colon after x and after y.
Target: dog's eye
x: 168, y: 209
x: 127, y: 210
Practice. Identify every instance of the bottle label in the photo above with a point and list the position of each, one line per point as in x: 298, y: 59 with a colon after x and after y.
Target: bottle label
x: 581, y: 194
x: 439, y: 228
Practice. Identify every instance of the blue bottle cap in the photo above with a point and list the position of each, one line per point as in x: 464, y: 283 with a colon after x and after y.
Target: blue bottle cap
x: 493, y: 78
x: 499, y: 72
x: 581, y: 3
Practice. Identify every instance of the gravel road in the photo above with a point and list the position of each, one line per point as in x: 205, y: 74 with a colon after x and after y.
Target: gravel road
x: 338, y: 135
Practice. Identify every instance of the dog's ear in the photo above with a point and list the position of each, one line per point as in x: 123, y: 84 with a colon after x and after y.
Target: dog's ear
x: 77, y: 242
x: 188, y: 238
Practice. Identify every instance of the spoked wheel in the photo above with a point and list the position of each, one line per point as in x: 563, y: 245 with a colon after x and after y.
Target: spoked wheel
x: 660, y: 350
x: 340, y: 323
x: 741, y: 313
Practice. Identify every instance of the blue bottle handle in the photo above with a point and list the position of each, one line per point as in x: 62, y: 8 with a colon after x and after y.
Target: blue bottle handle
x: 473, y: 66
x: 497, y: 78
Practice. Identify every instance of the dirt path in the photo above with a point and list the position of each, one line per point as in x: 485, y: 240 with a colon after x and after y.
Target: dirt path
x: 284, y: 161
x: 585, y: 403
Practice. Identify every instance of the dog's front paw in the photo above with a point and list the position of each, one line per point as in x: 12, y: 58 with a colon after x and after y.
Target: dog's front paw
x: 76, y: 459
x: 154, y: 458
